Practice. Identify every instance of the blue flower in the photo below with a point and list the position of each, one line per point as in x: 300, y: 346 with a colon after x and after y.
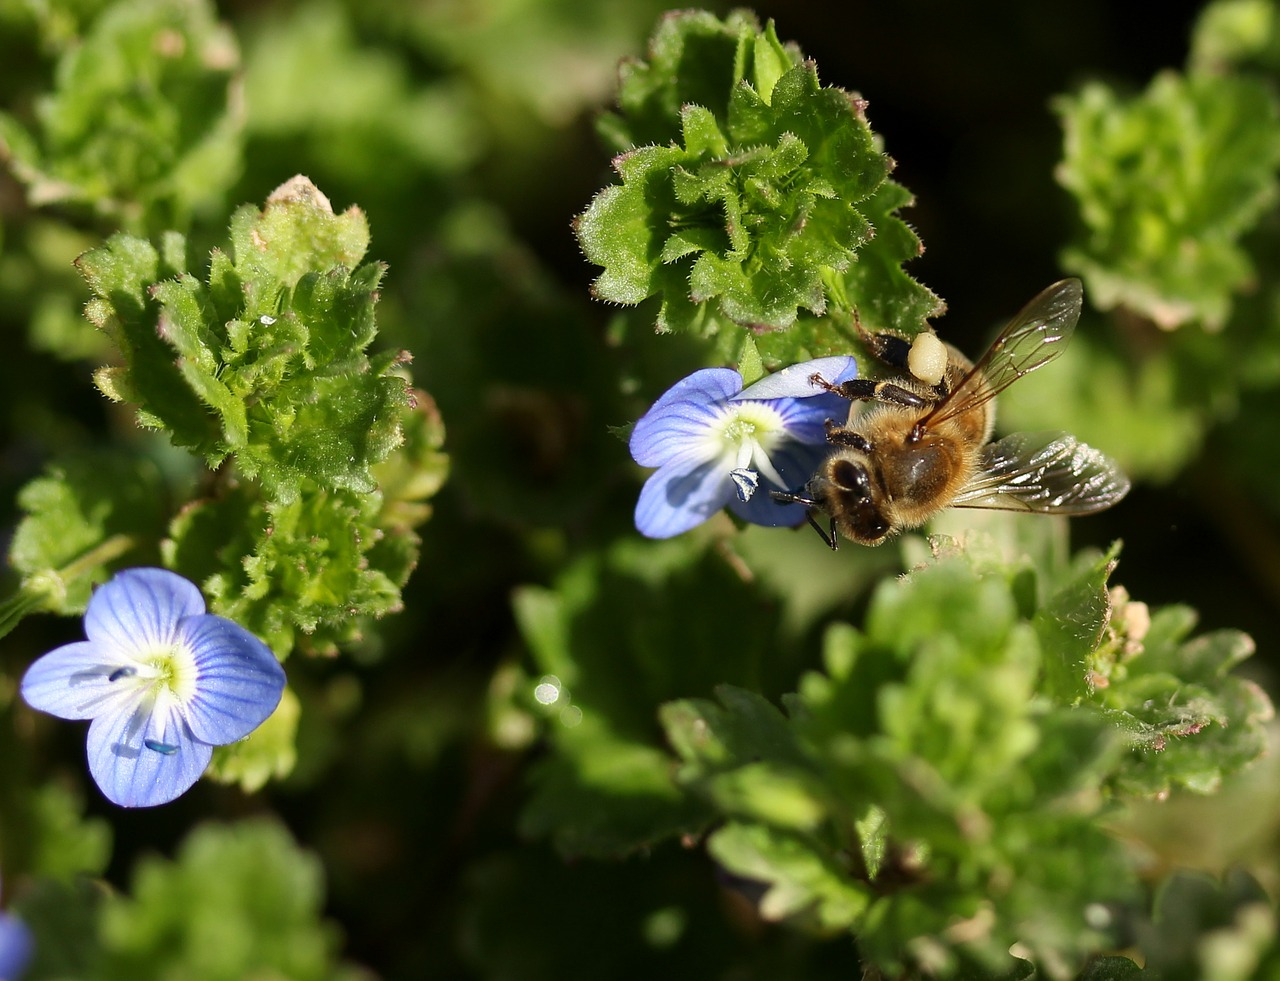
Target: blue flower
x: 163, y: 681
x: 716, y: 444
x: 15, y: 947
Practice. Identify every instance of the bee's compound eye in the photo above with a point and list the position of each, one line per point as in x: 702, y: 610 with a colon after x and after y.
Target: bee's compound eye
x: 850, y: 476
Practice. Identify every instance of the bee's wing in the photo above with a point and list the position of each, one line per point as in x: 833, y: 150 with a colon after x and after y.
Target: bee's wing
x: 1034, y: 337
x: 1049, y: 473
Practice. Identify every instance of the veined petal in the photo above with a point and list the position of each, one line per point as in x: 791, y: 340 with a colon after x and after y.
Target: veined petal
x: 73, y: 682
x: 137, y: 611
x: 705, y: 386
x: 238, y: 680
x: 793, y: 381
x: 675, y: 499
x: 146, y: 756
x: 682, y: 429
x: 805, y: 419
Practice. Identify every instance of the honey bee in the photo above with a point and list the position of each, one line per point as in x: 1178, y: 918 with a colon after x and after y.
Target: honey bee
x: 924, y: 444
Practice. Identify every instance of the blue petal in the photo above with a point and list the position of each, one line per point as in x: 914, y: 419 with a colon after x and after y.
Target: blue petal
x: 238, y: 680
x: 677, y: 421
x: 764, y: 510
x: 138, y: 610
x: 707, y: 386
x: 15, y: 947
x: 805, y: 419
x: 73, y: 682
x: 793, y: 381
x: 130, y: 774
x: 682, y: 414
x: 679, y: 431
x: 795, y: 463
x: 675, y: 499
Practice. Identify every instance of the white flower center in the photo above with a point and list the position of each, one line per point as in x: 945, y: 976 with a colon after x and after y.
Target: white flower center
x: 746, y: 434
x: 164, y: 671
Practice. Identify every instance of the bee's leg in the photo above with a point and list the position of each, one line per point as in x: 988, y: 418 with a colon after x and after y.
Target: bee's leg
x: 872, y: 390
x: 828, y: 536
x: 788, y: 497
x: 840, y: 436
x: 889, y: 349
x: 893, y: 350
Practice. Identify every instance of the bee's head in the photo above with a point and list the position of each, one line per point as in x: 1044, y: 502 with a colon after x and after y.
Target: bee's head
x: 845, y: 489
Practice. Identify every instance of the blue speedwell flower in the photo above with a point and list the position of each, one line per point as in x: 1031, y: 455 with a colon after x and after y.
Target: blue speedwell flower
x: 716, y: 444
x: 163, y: 681
x: 16, y: 947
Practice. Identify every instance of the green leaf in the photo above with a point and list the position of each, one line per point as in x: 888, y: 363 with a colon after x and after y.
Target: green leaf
x: 273, y: 346
x: 268, y: 753
x: 250, y: 884
x: 65, y: 844
x: 694, y: 59
x: 1070, y: 625
x: 1188, y: 721
x: 297, y: 573
x: 801, y: 881
x: 120, y: 274
x: 605, y: 796
x: 88, y: 511
x: 142, y: 126
x: 750, y: 209
x: 1234, y: 34
x: 1112, y: 968
x: 925, y: 758
x: 609, y: 786
x: 1167, y: 183
x: 1203, y: 927
x: 774, y: 787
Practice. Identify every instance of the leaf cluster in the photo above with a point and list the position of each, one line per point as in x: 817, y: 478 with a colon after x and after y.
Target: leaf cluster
x: 752, y: 196
x: 248, y: 885
x: 940, y: 789
x: 1167, y: 184
x: 1175, y: 189
x: 261, y: 371
x: 143, y: 125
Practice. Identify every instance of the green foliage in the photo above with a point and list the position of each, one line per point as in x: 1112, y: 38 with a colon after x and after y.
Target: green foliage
x: 1188, y: 720
x: 907, y: 788
x: 263, y: 368
x: 1167, y: 184
x: 608, y: 789
x: 923, y: 768
x: 142, y: 127
x: 273, y: 344
x: 84, y: 513
x: 749, y: 193
x: 1204, y: 928
x: 237, y: 901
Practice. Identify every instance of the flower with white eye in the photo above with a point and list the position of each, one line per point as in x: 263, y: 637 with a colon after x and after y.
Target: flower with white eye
x: 716, y: 444
x: 163, y: 681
